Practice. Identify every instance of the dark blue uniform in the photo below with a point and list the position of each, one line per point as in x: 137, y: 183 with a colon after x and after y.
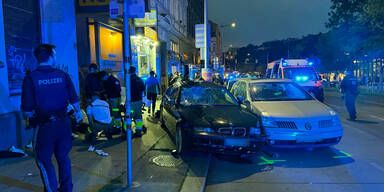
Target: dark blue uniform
x: 48, y: 92
x: 349, y: 88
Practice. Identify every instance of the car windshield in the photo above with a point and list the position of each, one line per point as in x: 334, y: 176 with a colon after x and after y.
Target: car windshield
x: 301, y: 74
x: 277, y: 91
x: 199, y: 95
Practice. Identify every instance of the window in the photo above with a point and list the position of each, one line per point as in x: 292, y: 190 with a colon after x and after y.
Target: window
x: 198, y: 95
x: 277, y: 91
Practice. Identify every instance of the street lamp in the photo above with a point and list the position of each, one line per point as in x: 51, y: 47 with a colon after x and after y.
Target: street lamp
x: 232, y: 25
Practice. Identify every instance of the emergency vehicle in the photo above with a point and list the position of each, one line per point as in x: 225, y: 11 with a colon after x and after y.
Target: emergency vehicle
x: 299, y: 70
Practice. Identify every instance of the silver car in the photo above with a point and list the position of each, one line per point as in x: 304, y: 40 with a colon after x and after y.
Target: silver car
x: 291, y: 117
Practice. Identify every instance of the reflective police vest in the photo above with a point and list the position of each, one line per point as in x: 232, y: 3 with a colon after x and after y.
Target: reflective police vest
x: 47, y: 91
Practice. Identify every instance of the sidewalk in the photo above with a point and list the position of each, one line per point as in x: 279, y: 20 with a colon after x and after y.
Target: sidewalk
x: 95, y: 173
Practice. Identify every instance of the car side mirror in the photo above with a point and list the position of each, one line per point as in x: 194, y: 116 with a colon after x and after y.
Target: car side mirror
x: 240, y: 99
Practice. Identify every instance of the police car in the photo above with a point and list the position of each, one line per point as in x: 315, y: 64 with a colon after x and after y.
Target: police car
x: 299, y: 70
x: 291, y: 117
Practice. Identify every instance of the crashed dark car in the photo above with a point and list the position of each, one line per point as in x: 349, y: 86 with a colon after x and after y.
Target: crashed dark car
x: 205, y: 115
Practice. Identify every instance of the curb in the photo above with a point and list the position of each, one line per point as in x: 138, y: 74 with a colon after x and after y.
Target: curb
x: 196, y: 179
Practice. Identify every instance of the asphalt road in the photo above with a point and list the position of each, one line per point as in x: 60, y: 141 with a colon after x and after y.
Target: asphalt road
x: 355, y: 164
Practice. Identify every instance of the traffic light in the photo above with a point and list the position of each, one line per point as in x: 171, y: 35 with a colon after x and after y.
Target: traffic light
x: 148, y: 6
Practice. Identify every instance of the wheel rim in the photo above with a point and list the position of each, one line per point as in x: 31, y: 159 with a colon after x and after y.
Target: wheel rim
x: 179, y: 141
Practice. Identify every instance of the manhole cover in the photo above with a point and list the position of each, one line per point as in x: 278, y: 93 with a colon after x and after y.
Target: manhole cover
x: 166, y: 161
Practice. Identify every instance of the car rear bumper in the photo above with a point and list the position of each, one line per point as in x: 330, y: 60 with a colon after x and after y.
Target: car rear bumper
x: 228, y: 145
x: 304, y: 139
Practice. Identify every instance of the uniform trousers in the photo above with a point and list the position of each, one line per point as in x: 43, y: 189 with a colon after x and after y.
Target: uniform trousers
x: 54, y: 137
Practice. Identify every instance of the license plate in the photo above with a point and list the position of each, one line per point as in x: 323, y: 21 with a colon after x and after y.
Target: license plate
x: 237, y: 142
x: 307, y: 138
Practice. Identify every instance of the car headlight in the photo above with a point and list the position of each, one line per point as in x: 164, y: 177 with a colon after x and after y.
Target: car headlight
x: 268, y: 122
x: 203, y: 129
x: 254, y: 131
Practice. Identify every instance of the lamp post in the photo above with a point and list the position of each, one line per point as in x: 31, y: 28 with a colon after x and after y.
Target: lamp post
x: 232, y: 25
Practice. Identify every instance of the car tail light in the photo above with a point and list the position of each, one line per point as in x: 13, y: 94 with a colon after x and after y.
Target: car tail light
x: 318, y: 84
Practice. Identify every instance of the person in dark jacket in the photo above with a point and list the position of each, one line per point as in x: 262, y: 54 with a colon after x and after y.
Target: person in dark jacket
x: 137, y: 90
x: 92, y: 84
x: 112, y: 90
x: 152, y: 89
x: 349, y: 89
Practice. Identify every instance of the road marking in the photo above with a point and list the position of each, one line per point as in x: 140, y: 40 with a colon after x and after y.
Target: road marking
x: 372, y: 103
x: 377, y: 166
x: 376, y: 117
x: 345, y: 155
x: 269, y: 161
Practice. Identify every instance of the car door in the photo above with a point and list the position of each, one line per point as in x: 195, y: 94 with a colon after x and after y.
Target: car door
x: 170, y: 110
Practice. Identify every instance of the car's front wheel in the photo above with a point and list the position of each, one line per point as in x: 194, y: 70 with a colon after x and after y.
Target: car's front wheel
x: 182, y: 142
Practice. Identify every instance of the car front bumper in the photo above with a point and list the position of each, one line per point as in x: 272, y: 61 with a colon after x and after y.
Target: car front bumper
x: 227, y: 144
x: 295, y: 139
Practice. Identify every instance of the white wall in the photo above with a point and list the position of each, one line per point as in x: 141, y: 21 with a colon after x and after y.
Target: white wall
x: 58, y: 27
x: 5, y: 106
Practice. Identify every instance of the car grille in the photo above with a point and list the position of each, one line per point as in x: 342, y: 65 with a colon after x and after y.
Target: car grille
x: 286, y: 124
x: 325, y: 123
x: 233, y: 131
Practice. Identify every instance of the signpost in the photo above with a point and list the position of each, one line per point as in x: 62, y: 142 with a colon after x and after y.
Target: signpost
x: 132, y: 9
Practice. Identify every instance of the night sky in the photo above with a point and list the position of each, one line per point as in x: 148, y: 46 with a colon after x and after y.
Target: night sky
x: 259, y: 21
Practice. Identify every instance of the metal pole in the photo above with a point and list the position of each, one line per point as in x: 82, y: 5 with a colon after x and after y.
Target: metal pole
x: 206, y: 35
x: 127, y: 63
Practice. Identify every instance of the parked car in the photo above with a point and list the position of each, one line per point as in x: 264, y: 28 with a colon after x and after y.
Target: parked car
x: 207, y: 115
x: 291, y: 117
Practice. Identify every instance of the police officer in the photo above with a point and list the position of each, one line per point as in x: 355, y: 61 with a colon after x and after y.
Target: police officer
x: 137, y: 90
x: 348, y: 87
x: 112, y: 90
x: 92, y: 83
x: 46, y: 94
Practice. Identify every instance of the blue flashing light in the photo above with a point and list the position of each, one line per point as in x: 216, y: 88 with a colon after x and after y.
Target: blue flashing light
x: 310, y: 63
x: 231, y: 77
x: 285, y: 63
x: 298, y: 78
x: 305, y: 78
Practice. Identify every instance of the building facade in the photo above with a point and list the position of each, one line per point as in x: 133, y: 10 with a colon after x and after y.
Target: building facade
x: 24, y: 25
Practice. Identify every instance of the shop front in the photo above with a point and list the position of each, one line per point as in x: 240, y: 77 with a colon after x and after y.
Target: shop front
x: 144, y: 52
x: 106, y: 48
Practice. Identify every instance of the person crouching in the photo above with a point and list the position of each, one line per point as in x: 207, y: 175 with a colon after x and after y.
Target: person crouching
x: 99, y: 117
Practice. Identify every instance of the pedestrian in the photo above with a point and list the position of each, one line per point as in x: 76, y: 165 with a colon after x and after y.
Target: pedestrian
x: 100, y: 119
x: 152, y: 87
x: 349, y: 89
x: 92, y: 82
x: 137, y: 90
x: 112, y: 89
x: 46, y: 93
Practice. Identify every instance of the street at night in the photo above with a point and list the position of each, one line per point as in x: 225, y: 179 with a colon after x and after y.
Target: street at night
x: 191, y: 95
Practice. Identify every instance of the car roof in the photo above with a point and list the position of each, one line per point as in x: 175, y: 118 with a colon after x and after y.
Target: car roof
x: 255, y: 80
